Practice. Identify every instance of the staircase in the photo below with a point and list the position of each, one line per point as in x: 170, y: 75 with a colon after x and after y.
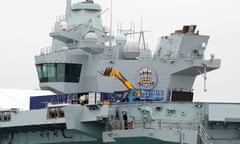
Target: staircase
x: 206, y: 139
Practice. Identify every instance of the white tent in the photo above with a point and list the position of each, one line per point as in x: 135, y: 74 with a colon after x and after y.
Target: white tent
x: 19, y: 98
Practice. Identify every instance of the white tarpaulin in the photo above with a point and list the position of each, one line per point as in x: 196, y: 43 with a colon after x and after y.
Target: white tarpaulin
x: 19, y: 98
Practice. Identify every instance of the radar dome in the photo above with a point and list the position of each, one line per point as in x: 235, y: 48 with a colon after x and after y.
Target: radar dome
x: 63, y: 25
x: 91, y: 38
x: 90, y: 35
x: 120, y: 39
x: 131, y: 50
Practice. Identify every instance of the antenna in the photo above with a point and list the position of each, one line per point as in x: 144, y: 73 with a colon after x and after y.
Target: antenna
x: 142, y: 34
x: 110, y: 23
x: 103, y: 12
x: 141, y: 21
x: 204, y: 76
x: 68, y: 9
x: 132, y: 32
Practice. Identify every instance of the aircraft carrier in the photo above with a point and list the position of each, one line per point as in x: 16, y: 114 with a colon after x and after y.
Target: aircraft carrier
x: 112, y: 89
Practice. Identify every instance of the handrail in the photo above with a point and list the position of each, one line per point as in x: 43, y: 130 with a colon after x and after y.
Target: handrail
x: 145, y: 124
x: 180, y: 57
x: 206, y: 139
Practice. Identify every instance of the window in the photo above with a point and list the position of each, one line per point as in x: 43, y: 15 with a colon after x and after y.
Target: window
x: 51, y: 72
x: 72, y: 73
x: 39, y: 70
x: 60, y: 72
x: 42, y: 72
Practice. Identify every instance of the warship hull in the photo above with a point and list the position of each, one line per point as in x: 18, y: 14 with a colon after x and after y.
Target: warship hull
x: 149, y: 100
x: 162, y: 123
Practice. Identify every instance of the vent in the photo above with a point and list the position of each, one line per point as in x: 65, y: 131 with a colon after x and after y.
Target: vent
x: 182, y: 96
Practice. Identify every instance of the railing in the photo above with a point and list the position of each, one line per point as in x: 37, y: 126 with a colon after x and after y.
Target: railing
x: 48, y: 50
x: 181, y: 57
x: 45, y: 51
x: 148, y: 124
x: 60, y: 18
x: 206, y: 139
x: 88, y: 42
x: 72, y: 46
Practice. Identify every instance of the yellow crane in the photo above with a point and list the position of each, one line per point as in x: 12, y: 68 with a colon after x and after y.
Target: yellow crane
x: 109, y: 71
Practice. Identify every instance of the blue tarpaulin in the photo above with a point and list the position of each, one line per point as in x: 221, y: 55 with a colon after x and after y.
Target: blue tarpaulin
x: 39, y: 102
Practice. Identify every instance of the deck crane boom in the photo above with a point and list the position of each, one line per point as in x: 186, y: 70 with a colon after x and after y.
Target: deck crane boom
x: 133, y: 92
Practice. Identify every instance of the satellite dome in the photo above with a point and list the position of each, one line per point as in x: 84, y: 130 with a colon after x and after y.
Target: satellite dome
x: 90, y: 38
x: 120, y: 39
x: 90, y: 35
x: 131, y: 50
x: 63, y: 25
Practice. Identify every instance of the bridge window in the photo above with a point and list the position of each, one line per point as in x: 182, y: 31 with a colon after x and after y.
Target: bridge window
x: 61, y: 72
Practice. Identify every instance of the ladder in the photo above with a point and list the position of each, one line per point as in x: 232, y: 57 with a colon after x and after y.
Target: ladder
x: 206, y: 139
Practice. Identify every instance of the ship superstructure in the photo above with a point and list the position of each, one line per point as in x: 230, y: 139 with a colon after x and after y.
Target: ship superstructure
x: 153, y: 105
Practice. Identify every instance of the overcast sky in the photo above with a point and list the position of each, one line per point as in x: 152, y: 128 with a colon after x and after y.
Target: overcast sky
x: 25, y: 27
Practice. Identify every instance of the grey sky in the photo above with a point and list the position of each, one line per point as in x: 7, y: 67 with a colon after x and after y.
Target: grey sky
x: 25, y: 27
